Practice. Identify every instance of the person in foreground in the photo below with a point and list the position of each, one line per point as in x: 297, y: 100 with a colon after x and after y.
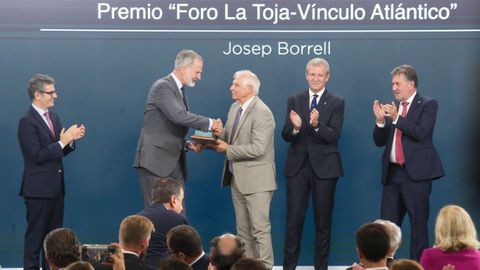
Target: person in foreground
x: 62, y: 248
x: 372, y: 246
x: 410, y: 161
x: 161, y: 146
x: 405, y: 264
x: 43, y: 142
x: 313, y: 126
x: 249, y: 167
x: 165, y: 214
x: 456, y: 242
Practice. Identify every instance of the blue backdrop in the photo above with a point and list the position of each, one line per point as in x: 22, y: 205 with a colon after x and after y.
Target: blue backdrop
x: 103, y: 79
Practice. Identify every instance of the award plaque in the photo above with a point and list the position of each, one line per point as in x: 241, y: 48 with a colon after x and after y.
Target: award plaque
x: 203, y: 137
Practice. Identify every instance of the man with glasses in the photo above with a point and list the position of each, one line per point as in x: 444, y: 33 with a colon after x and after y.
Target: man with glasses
x: 43, y: 142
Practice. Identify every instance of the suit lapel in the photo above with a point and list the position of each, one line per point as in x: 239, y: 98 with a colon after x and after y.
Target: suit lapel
x: 305, y: 107
x: 42, y: 123
x: 416, y: 104
x: 245, y: 115
x: 176, y: 91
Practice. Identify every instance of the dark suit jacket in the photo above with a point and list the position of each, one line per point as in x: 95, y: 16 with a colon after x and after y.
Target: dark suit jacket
x: 163, y: 220
x: 421, y: 158
x: 321, y: 146
x: 133, y: 262
x: 202, y: 263
x: 42, y: 155
x: 165, y: 124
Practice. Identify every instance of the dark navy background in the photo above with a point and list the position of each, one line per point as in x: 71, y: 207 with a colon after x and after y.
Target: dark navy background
x: 103, y: 79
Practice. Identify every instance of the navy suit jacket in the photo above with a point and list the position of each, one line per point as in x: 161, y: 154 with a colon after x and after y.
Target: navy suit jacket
x: 202, y: 263
x: 421, y: 158
x: 163, y: 220
x: 321, y: 146
x: 42, y: 155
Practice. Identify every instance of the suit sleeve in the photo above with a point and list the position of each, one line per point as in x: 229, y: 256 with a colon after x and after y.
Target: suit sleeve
x: 261, y: 134
x: 166, y: 101
x: 380, y: 135
x: 420, y: 130
x: 30, y: 142
x: 330, y: 132
x: 287, y: 131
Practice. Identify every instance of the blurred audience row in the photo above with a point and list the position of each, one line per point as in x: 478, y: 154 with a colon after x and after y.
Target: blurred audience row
x: 160, y: 238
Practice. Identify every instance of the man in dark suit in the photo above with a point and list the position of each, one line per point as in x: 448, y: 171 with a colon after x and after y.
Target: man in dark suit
x: 184, y: 242
x: 134, y: 235
x: 43, y: 142
x: 161, y: 147
x: 410, y: 161
x: 165, y: 214
x: 312, y: 127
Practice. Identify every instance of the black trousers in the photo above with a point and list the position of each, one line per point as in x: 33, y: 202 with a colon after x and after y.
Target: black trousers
x: 299, y: 188
x: 402, y: 195
x: 43, y: 216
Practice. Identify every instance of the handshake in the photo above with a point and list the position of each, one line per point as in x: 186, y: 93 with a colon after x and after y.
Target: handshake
x: 203, y: 139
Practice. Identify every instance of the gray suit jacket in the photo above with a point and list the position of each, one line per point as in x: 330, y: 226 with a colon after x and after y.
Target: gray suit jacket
x: 165, y: 124
x: 252, y: 149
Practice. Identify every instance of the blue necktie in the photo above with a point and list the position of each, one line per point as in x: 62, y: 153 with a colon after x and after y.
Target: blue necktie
x: 234, y: 129
x: 314, y: 102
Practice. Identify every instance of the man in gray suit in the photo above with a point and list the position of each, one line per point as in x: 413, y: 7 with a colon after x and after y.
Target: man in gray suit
x: 161, y: 147
x: 249, y: 169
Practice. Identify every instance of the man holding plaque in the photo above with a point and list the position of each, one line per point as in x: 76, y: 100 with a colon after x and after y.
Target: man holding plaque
x: 161, y: 147
x: 248, y: 144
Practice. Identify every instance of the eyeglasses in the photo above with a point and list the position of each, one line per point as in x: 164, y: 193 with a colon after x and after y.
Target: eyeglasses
x: 51, y: 93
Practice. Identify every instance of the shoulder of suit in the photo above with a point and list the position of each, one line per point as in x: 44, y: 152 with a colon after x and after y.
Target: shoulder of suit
x: 333, y: 95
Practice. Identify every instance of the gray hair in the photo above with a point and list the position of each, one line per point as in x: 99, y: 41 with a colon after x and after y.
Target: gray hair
x: 250, y: 79
x: 315, y: 62
x: 37, y: 83
x: 185, y: 58
x: 394, y: 233
x: 407, y: 71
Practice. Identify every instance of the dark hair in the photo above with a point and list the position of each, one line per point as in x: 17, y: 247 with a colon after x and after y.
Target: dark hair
x: 80, y: 266
x: 62, y: 247
x: 184, y: 238
x: 37, y: 82
x: 172, y: 263
x: 223, y: 261
x: 408, y: 71
x: 164, y: 189
x: 373, y: 241
x: 248, y: 264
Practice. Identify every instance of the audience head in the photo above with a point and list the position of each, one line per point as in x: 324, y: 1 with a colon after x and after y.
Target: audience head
x: 248, y: 264
x: 405, y: 265
x: 80, y: 266
x: 61, y: 247
x: 225, y: 250
x: 394, y: 234
x: 172, y: 263
x: 372, y: 243
x: 169, y: 192
x: 454, y: 230
x: 185, y: 243
x: 134, y: 234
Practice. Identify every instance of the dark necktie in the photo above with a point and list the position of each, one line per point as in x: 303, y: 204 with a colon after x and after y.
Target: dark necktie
x: 399, y: 156
x: 314, y: 102
x: 184, y: 98
x: 50, y: 124
x: 234, y: 129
